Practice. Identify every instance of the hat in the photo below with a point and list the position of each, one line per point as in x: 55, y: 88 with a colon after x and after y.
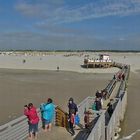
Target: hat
x: 71, y: 99
x: 88, y: 112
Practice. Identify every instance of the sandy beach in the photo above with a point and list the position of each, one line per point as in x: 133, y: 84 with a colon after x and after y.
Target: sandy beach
x: 72, y: 62
x: 37, y: 79
x: 131, y: 124
x: 50, y: 62
x: 19, y: 87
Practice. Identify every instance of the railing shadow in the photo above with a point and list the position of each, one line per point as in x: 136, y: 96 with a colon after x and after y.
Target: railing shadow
x: 85, y: 132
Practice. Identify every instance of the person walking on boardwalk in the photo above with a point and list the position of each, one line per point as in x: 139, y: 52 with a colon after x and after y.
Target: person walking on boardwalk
x: 99, y: 94
x: 110, y: 107
x: 87, y: 119
x: 72, y: 107
x: 48, y: 114
x: 41, y: 113
x: 31, y: 113
x: 71, y: 121
x: 123, y: 76
x: 98, y: 104
x: 72, y: 112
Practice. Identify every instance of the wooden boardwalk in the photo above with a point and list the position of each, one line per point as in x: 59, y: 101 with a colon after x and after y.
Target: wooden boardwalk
x: 112, y: 96
x: 60, y: 133
x: 57, y: 133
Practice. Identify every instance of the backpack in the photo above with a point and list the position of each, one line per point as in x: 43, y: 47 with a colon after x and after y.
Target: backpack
x: 94, y: 106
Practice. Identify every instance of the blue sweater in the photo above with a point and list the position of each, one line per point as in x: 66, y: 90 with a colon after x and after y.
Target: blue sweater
x: 48, y: 111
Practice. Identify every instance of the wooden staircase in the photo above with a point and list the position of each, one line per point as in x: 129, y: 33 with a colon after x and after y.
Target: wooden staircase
x: 61, y: 118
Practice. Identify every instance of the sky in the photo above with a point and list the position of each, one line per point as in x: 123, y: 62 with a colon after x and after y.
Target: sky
x: 69, y: 24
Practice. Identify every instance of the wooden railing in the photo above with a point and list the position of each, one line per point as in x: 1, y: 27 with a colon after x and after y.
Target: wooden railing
x: 119, y: 111
x: 16, y: 129
x: 112, y: 124
x: 61, y: 118
x: 85, y: 105
x: 110, y: 87
x: 123, y: 104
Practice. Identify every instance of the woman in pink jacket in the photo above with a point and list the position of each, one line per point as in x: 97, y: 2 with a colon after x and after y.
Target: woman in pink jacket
x: 31, y: 113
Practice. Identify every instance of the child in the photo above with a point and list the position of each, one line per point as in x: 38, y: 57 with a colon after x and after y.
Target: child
x: 86, y: 120
x: 71, y: 123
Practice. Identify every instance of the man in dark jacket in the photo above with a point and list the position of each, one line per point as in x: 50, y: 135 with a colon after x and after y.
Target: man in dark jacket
x: 99, y: 94
x: 72, y: 112
x: 72, y: 107
x: 110, y: 107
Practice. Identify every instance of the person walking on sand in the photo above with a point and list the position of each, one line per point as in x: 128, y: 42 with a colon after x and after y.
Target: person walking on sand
x: 57, y: 68
x: 48, y: 114
x: 31, y: 113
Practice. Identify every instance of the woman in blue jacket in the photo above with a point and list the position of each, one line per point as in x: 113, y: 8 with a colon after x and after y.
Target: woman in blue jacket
x: 48, y: 114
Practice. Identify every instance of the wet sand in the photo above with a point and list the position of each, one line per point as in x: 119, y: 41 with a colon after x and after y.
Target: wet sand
x: 131, y: 124
x: 19, y: 87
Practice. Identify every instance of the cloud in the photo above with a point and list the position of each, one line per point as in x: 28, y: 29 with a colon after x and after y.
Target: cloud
x: 29, y: 9
x: 50, y: 32
x: 38, y: 8
x: 54, y: 12
x: 30, y: 40
x: 62, y: 31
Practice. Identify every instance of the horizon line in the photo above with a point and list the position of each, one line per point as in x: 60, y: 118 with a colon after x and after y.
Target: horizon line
x: 67, y: 50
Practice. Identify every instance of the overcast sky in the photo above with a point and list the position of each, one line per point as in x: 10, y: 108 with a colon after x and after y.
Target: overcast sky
x: 70, y: 24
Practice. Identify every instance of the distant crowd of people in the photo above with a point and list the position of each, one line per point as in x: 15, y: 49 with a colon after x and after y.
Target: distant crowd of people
x: 119, y: 76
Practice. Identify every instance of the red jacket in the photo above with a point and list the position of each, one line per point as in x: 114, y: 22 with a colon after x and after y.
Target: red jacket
x: 32, y: 115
